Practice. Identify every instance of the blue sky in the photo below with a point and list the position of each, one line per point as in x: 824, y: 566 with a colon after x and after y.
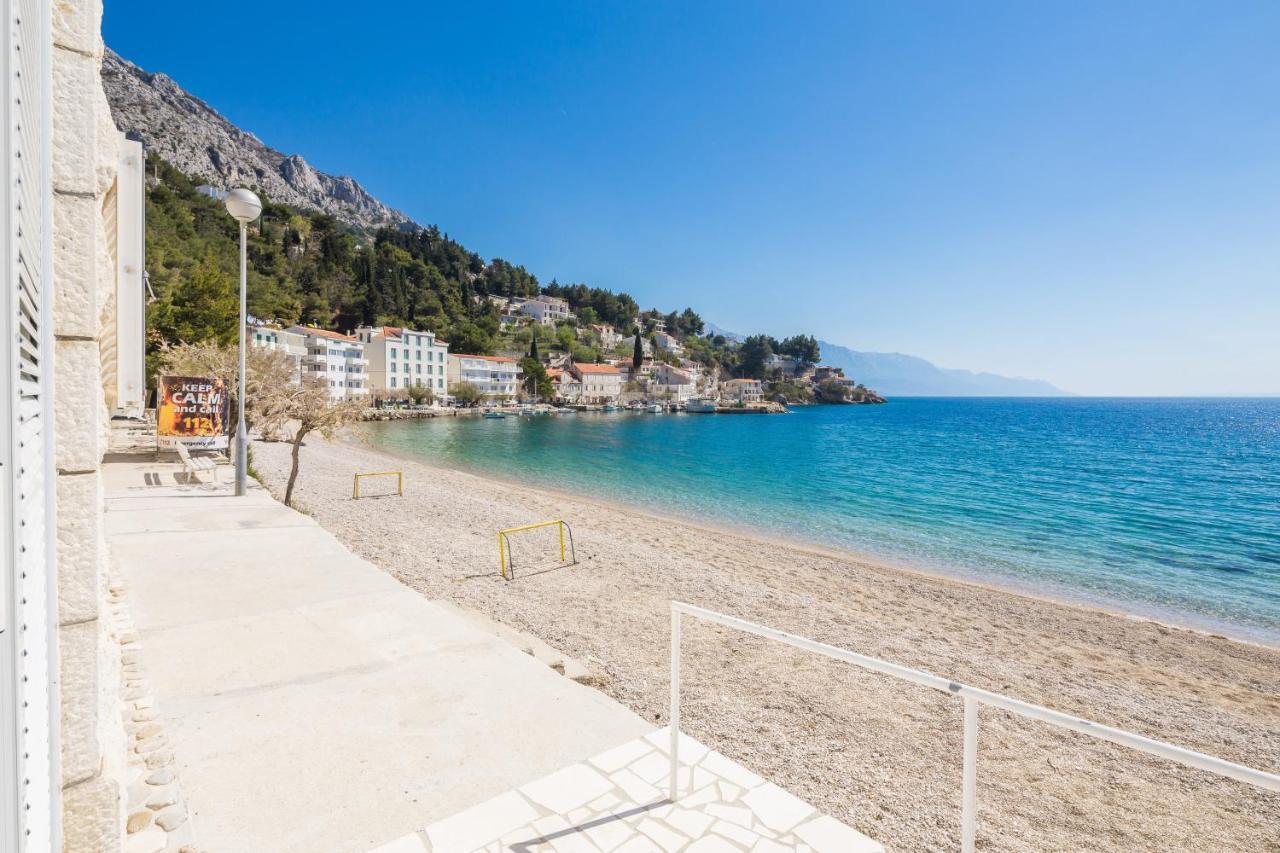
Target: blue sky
x: 1087, y: 193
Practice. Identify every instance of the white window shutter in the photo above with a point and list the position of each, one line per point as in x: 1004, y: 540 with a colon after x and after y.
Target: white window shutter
x: 28, y: 601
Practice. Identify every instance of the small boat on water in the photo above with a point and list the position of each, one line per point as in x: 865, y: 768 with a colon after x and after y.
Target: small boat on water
x: 654, y: 408
x: 528, y: 410
x: 609, y: 407
x: 700, y: 404
x: 494, y: 413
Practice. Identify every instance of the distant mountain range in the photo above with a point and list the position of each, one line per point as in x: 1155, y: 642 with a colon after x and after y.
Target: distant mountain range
x: 893, y: 374
x: 199, y: 141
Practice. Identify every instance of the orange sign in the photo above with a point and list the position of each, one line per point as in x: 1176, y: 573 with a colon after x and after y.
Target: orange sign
x: 193, y: 410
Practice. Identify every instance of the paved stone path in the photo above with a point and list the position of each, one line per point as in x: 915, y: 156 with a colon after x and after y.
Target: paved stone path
x: 617, y: 801
x: 312, y: 702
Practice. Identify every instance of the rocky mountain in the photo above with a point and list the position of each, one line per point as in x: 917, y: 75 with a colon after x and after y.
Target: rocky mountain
x: 195, y: 138
x: 897, y: 375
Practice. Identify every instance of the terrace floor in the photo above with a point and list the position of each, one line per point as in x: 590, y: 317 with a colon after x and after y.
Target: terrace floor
x: 617, y: 801
x: 314, y: 703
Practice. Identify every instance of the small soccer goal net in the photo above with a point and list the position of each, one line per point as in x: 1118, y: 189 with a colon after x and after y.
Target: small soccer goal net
x: 539, y: 544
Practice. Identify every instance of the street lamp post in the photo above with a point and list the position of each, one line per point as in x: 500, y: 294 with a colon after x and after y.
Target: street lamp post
x: 244, y: 206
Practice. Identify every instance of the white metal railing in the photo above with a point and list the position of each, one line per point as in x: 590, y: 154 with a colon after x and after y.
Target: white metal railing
x: 972, y: 696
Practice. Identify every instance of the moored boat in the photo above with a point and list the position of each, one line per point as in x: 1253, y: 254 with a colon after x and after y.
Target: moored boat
x: 700, y: 404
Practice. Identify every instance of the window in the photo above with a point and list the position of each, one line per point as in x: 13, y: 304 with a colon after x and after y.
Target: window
x: 393, y: 352
x: 393, y: 382
x: 419, y: 370
x: 393, y: 368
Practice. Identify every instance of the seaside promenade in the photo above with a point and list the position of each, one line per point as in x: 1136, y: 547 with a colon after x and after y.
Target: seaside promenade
x: 314, y: 703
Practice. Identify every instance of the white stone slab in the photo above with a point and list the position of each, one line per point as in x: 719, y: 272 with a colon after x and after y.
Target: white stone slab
x: 411, y: 843
x: 567, y: 789
x: 828, y: 835
x: 776, y: 808
x: 480, y: 824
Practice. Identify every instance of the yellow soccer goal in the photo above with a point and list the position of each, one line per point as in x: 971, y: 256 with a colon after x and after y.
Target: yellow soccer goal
x: 506, y: 559
x: 399, y: 475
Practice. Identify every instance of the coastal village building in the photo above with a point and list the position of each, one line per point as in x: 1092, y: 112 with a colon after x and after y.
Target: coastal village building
x: 667, y: 343
x: 495, y: 376
x: 646, y: 346
x: 276, y: 339
x: 608, y: 335
x: 671, y: 382
x: 335, y: 359
x: 568, y: 388
x: 402, y: 358
x: 787, y: 366
x: 547, y: 310
x: 630, y: 374
x: 601, y: 383
x: 742, y: 390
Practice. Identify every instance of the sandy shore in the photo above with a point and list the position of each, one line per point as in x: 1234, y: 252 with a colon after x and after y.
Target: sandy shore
x: 880, y: 754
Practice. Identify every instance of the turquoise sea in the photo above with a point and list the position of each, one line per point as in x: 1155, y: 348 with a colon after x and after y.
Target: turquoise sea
x: 1168, y: 508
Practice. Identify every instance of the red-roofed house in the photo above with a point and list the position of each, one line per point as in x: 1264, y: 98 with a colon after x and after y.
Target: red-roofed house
x: 601, y: 383
x: 568, y: 388
x: 402, y: 358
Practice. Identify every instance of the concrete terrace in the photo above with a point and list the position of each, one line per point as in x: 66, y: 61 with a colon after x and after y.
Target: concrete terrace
x: 314, y: 703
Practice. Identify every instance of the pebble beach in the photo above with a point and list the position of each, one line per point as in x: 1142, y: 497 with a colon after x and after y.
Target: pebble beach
x: 879, y: 754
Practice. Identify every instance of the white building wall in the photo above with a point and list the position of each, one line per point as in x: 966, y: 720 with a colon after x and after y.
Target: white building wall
x: 410, y: 358
x: 86, y: 202
x: 131, y: 313
x: 495, y: 378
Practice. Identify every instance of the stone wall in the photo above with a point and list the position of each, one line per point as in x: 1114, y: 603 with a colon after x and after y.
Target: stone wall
x: 84, y: 168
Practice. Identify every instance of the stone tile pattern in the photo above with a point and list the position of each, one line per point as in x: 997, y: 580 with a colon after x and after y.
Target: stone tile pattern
x: 157, y: 818
x: 617, y: 801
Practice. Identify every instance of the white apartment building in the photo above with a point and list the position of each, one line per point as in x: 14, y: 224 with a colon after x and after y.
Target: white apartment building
x: 335, y: 359
x: 547, y: 310
x: 402, y: 358
x: 601, y: 383
x: 495, y: 376
x: 279, y: 340
x: 742, y: 390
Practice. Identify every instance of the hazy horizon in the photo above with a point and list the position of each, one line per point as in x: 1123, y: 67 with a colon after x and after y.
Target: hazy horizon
x: 1080, y: 193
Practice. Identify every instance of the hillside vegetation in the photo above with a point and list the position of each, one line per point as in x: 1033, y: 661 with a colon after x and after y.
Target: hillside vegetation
x: 307, y: 267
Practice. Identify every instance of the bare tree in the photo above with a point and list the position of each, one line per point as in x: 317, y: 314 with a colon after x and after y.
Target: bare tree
x: 310, y: 407
x: 263, y: 369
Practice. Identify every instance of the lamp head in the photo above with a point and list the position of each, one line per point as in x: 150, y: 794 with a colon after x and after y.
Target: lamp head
x: 243, y: 205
